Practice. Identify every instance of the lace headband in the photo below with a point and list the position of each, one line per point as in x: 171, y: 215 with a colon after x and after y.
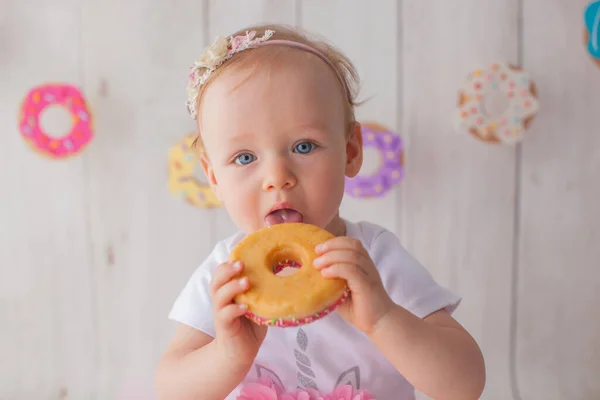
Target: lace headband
x: 224, y: 48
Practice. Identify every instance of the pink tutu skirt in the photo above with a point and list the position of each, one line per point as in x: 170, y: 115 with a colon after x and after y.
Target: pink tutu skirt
x: 264, y: 389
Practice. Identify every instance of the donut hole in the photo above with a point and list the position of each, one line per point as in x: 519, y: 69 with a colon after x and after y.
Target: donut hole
x: 286, y: 267
x: 372, y: 161
x: 495, y: 104
x: 285, y: 262
x: 56, y: 121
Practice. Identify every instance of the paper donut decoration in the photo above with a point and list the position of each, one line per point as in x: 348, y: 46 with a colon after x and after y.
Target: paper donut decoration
x: 391, y: 171
x: 182, y: 180
x: 514, y: 95
x: 592, y: 30
x: 70, y: 98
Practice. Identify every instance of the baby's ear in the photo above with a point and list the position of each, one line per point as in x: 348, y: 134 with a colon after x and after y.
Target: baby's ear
x: 210, y: 174
x: 354, y: 150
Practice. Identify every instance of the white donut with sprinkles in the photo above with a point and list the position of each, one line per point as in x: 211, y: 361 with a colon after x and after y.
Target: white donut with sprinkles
x: 497, y: 104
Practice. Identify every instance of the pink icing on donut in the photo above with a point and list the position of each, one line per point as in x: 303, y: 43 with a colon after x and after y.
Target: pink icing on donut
x: 287, y: 323
x: 64, y: 95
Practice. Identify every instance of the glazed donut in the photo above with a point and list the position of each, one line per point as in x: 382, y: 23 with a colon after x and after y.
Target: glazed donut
x: 290, y: 300
x: 70, y: 98
x: 390, y: 173
x: 515, y: 96
x: 592, y: 30
x: 182, y: 181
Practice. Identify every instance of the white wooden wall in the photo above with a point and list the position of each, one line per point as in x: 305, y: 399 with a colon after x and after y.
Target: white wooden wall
x: 93, y: 250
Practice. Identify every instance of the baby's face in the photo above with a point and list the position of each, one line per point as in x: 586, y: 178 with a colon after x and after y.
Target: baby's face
x: 278, y: 138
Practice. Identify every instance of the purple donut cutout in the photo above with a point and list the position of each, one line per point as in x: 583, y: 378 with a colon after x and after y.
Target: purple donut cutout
x: 391, y: 170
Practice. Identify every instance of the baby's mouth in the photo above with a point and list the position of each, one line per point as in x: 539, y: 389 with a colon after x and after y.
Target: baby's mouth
x: 282, y: 216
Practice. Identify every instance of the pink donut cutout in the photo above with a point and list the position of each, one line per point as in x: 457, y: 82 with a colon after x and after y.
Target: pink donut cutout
x: 64, y: 95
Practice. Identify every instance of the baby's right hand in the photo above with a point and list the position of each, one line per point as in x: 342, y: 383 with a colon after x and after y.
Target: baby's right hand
x: 236, y: 336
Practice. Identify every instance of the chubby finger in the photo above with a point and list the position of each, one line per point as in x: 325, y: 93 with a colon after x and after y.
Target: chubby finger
x: 336, y: 256
x: 226, y: 293
x: 339, y: 243
x: 348, y: 271
x: 223, y: 274
x: 230, y: 313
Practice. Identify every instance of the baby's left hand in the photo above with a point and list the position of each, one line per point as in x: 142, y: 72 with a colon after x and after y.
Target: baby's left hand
x: 346, y: 258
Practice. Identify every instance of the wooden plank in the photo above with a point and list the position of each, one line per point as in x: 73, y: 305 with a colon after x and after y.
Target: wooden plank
x: 227, y: 17
x: 46, y: 307
x: 458, y: 204
x: 147, y: 242
x: 366, y: 33
x: 558, y: 282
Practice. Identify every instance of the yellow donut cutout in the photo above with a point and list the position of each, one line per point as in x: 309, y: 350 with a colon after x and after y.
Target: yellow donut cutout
x: 183, y: 182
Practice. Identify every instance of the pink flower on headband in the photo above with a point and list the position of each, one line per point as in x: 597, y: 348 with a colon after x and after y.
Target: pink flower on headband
x: 237, y: 41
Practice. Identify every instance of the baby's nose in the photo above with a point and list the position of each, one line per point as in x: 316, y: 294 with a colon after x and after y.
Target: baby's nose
x: 279, y: 177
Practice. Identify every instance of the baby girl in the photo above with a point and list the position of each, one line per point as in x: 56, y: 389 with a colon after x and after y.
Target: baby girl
x: 277, y: 137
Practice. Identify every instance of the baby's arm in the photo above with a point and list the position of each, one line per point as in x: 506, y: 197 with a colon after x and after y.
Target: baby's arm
x: 193, y: 367
x: 436, y: 354
x: 196, y: 367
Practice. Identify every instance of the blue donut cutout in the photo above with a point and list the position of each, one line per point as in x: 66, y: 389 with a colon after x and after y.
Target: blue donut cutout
x: 592, y: 23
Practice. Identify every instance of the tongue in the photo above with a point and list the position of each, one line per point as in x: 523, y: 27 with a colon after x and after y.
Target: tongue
x: 282, y: 216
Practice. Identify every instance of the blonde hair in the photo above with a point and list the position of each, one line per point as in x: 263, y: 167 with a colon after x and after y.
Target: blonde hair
x: 258, y: 56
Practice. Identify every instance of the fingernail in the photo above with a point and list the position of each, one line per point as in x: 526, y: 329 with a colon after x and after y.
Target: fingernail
x: 319, y: 248
x: 243, y: 306
x: 237, y: 265
x: 244, y: 282
x: 317, y: 261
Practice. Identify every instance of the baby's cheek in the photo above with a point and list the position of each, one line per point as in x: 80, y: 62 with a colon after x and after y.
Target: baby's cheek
x: 234, y: 188
x: 236, y: 179
x: 330, y: 187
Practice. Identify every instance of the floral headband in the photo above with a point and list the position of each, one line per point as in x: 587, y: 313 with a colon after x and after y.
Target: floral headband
x: 223, y: 49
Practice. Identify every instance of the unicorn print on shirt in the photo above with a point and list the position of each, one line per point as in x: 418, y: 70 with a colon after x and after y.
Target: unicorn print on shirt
x: 306, y: 375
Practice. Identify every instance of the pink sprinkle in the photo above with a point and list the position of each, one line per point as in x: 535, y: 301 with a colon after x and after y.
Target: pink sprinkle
x: 479, y: 121
x: 511, y: 85
x: 297, y: 322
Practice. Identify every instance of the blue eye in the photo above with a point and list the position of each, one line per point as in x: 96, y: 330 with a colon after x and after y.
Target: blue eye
x: 305, y: 147
x: 244, y: 159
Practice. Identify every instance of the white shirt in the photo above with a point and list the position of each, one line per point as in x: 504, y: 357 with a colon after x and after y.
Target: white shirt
x: 328, y: 352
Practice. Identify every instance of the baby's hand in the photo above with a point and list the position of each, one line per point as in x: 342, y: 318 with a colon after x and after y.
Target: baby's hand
x: 346, y: 258
x: 238, y: 338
